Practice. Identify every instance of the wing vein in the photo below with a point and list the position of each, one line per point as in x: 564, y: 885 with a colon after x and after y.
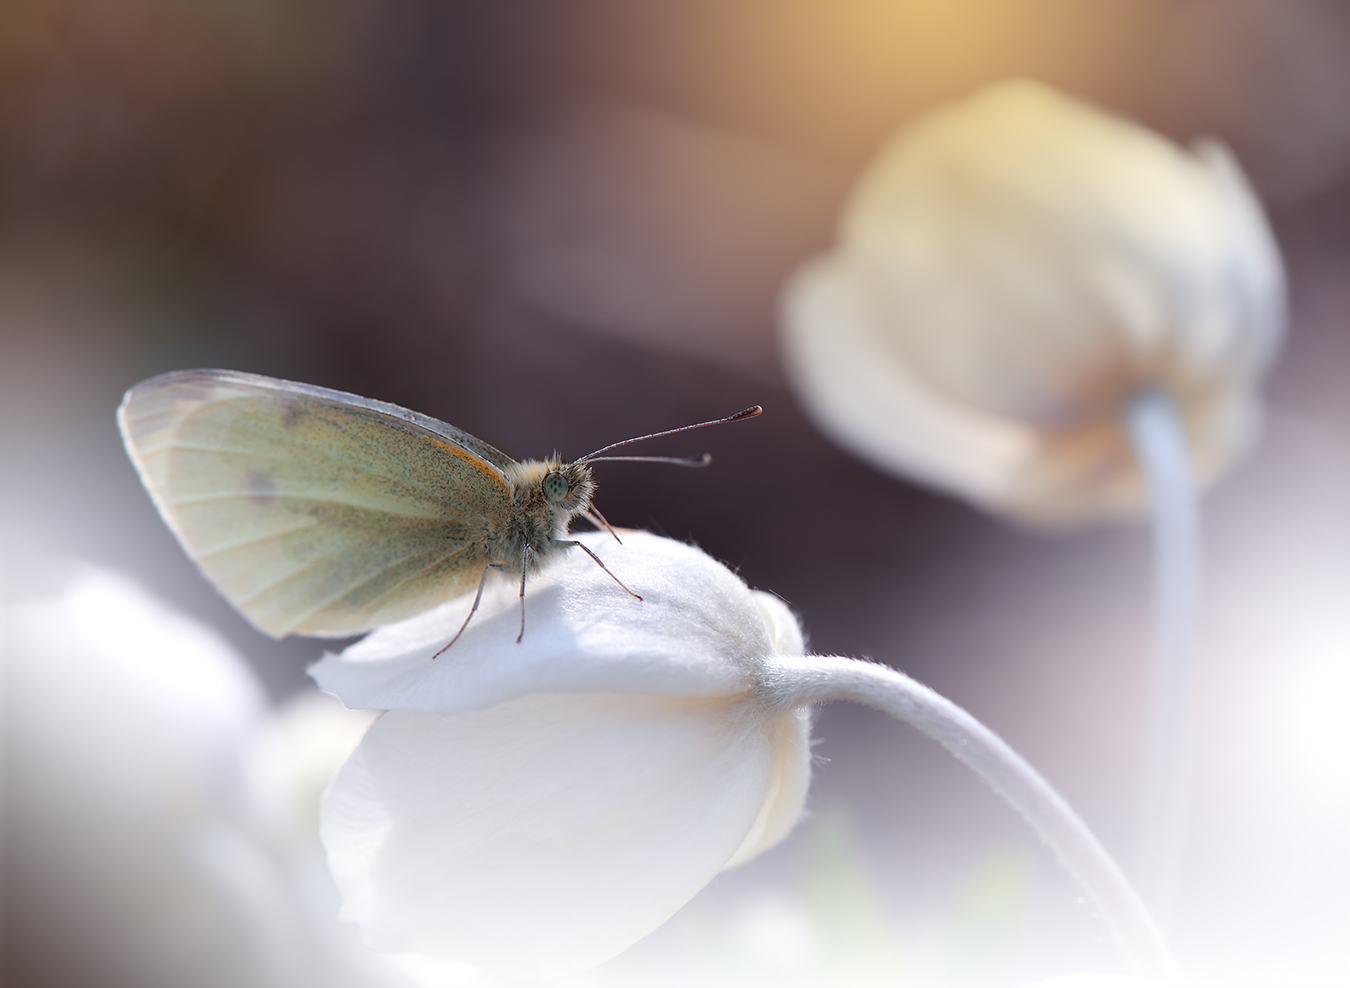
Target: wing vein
x: 205, y: 448
x: 281, y: 535
x: 304, y: 498
x: 243, y: 601
x: 436, y: 560
x: 199, y: 556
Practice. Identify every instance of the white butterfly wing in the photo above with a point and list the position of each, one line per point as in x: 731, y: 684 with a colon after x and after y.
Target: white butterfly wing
x: 314, y: 511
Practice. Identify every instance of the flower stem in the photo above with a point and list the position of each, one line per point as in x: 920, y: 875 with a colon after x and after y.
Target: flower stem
x: 1160, y: 446
x: 798, y: 682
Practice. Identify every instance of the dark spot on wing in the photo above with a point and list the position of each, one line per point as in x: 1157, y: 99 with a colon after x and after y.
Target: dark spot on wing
x: 260, y: 487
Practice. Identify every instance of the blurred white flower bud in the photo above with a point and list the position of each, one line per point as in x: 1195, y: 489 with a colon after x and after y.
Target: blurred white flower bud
x: 143, y: 767
x: 1011, y: 271
x: 122, y: 814
x: 533, y: 809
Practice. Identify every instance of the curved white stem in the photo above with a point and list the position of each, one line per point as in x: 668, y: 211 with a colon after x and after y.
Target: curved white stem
x: 799, y: 682
x: 1160, y: 446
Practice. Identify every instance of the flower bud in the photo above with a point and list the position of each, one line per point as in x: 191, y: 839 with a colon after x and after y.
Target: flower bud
x: 1011, y: 271
x: 534, y: 808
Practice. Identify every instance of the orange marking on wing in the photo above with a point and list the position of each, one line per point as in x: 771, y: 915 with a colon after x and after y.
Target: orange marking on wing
x: 485, y: 468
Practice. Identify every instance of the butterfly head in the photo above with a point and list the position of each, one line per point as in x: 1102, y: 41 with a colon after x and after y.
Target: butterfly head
x: 567, y: 487
x: 553, y: 490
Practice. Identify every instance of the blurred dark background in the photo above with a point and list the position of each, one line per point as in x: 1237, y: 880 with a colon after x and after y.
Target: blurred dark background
x: 558, y: 225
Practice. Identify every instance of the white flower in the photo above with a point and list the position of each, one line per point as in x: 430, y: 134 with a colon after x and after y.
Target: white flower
x: 533, y: 809
x: 1010, y: 272
x: 122, y: 819
x: 138, y: 826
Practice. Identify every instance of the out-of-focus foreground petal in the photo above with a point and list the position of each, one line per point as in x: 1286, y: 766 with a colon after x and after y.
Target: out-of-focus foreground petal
x: 161, y: 824
x: 546, y: 834
x: 1010, y: 272
x: 290, y: 759
x: 123, y: 723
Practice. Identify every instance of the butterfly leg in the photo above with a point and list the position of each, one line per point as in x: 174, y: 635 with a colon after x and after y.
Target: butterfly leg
x: 524, y: 566
x: 585, y: 549
x: 476, y: 598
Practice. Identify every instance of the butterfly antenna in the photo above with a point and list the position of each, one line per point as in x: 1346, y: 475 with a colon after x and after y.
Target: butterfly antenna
x: 679, y: 461
x: 748, y: 413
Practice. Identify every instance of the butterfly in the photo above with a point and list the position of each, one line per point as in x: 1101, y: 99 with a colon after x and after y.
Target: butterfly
x: 319, y: 512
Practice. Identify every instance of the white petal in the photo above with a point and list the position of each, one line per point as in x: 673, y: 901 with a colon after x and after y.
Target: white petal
x: 785, y: 632
x: 789, y: 779
x: 128, y: 702
x: 546, y: 834
x: 866, y: 399
x: 1256, y: 271
x: 183, y: 667
x: 696, y: 632
x: 123, y: 723
x: 291, y: 757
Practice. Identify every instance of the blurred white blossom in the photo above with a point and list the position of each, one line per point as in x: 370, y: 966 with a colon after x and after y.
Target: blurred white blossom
x: 161, y: 824
x: 123, y: 821
x: 533, y: 809
x: 289, y: 759
x: 1010, y: 272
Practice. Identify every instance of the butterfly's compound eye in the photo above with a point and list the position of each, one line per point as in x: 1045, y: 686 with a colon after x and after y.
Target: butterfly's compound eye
x: 556, y: 487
